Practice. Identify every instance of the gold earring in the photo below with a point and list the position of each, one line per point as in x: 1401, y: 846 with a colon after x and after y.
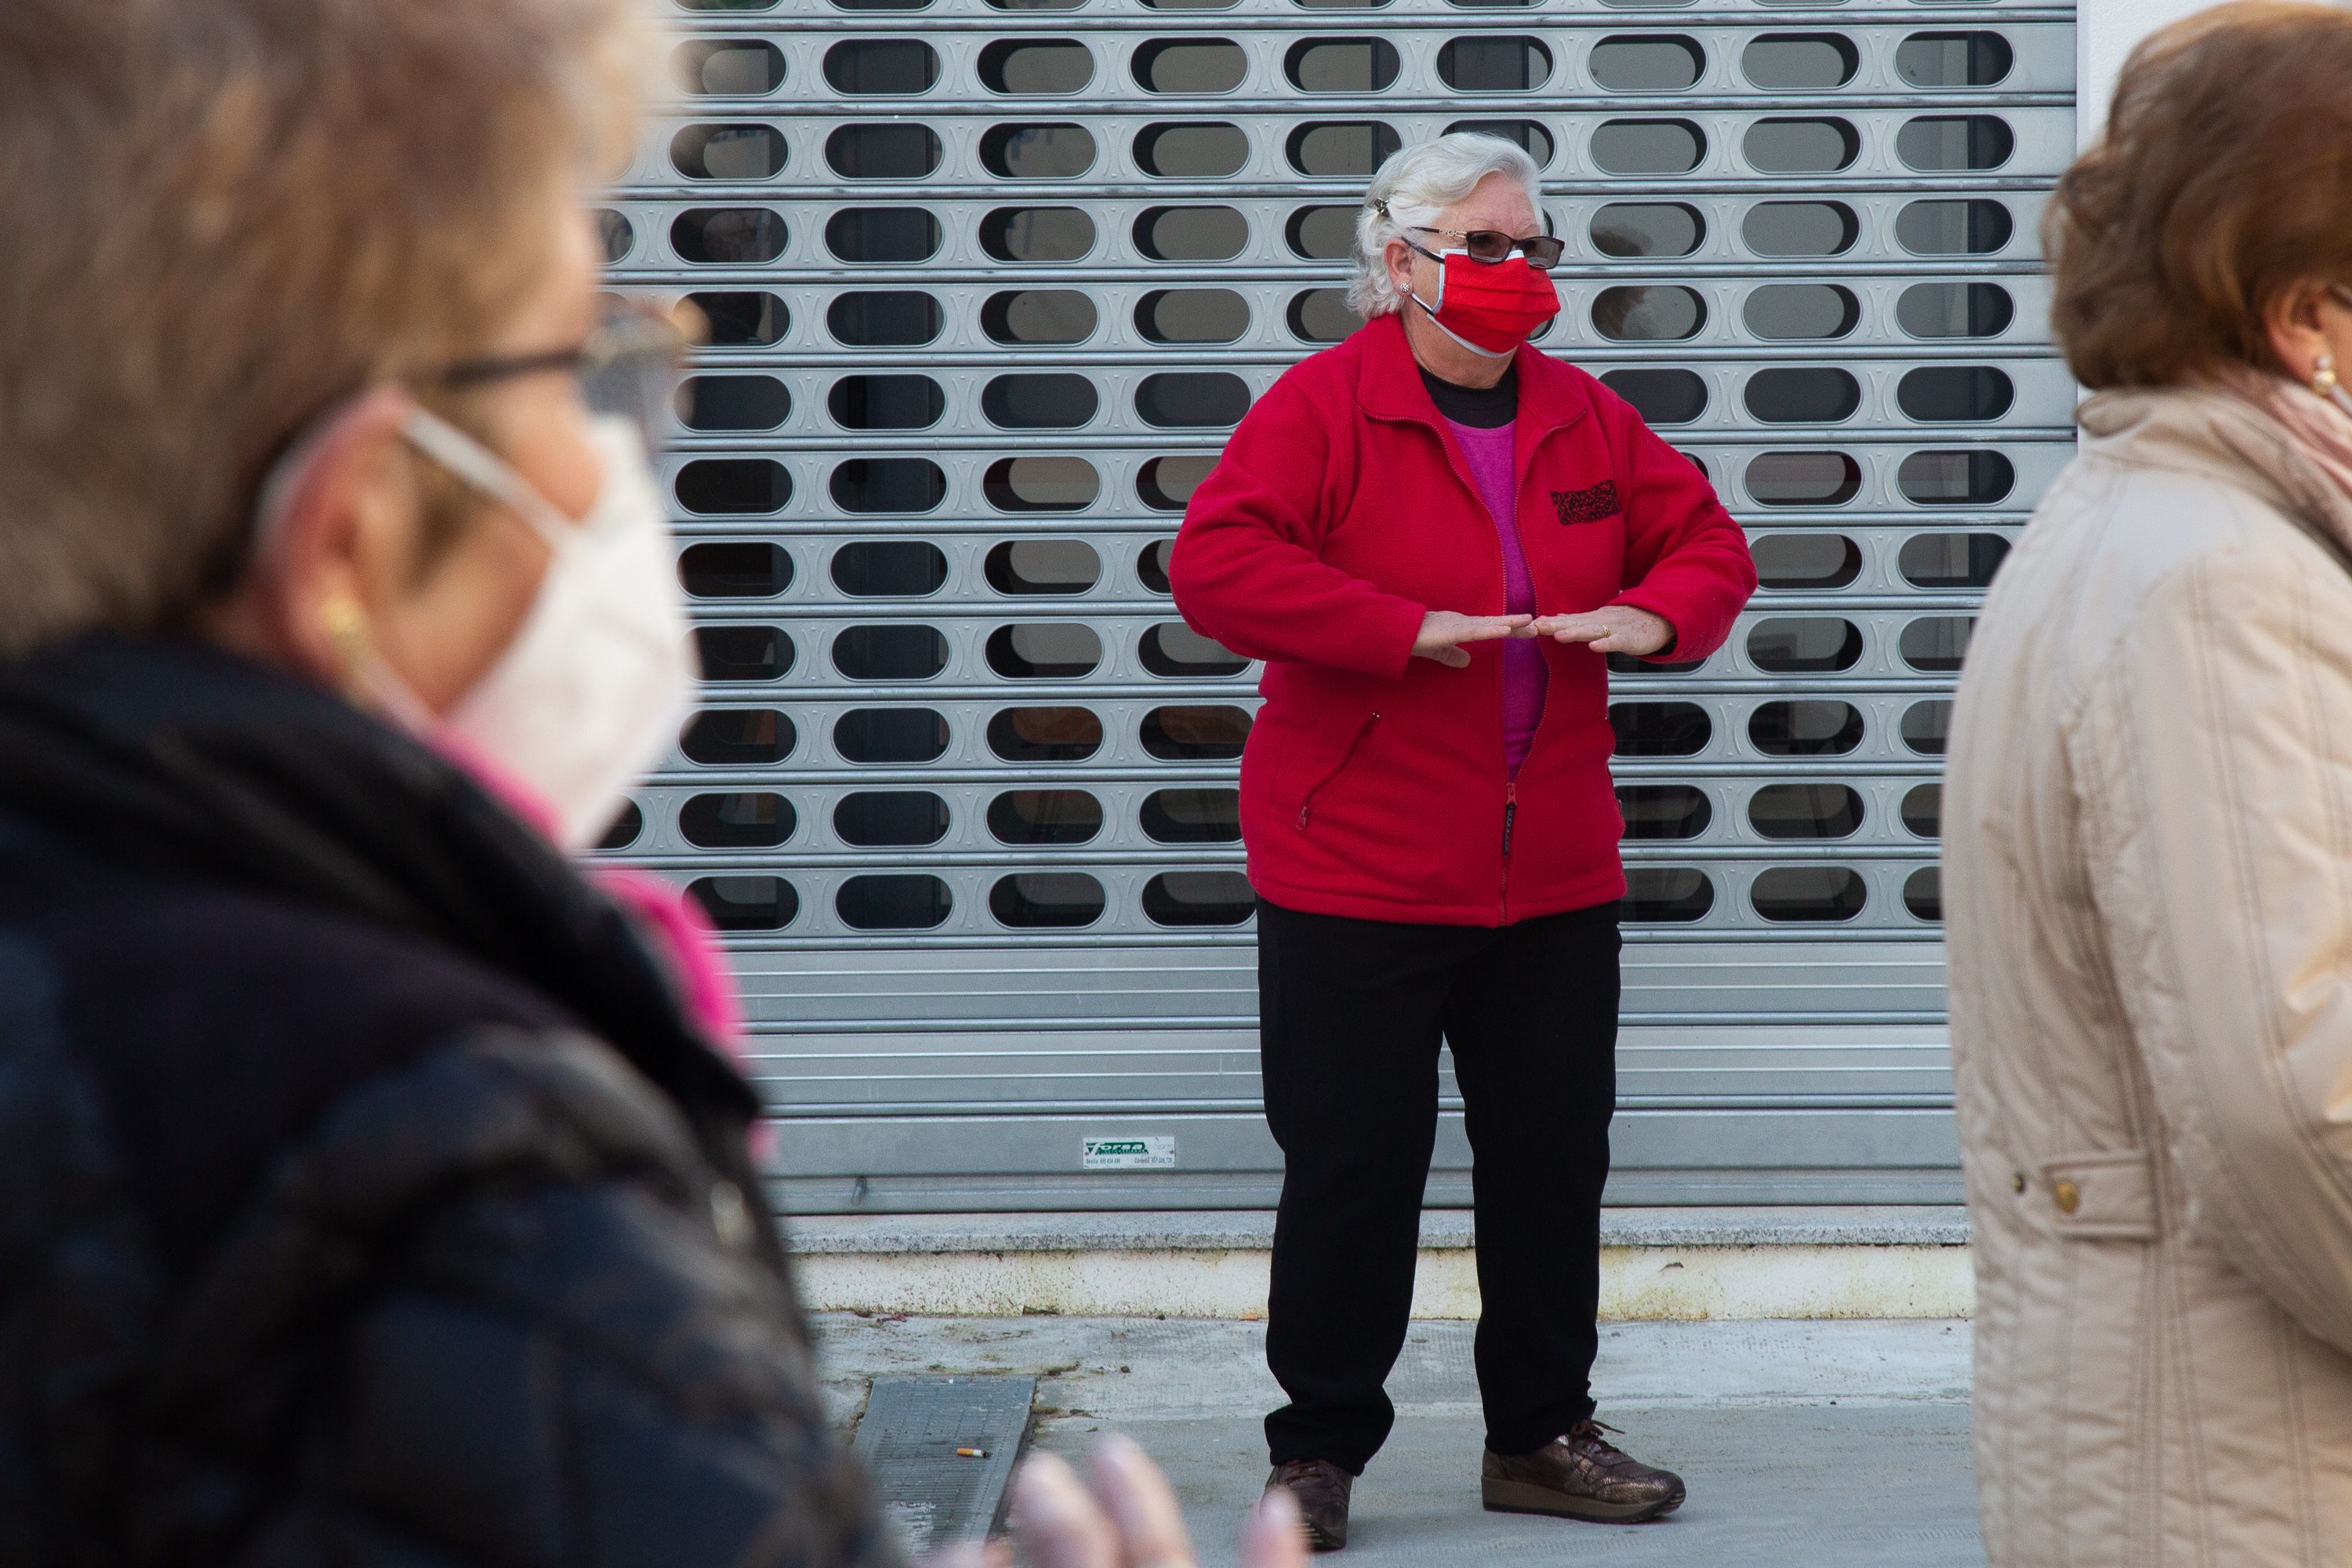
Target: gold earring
x: 2323, y: 374
x: 346, y: 626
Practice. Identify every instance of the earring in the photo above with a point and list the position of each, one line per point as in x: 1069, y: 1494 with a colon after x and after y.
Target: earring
x: 346, y: 626
x: 2323, y: 374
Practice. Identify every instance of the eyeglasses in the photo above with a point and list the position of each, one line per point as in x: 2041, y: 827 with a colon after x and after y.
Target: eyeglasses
x: 629, y: 364
x: 1492, y: 245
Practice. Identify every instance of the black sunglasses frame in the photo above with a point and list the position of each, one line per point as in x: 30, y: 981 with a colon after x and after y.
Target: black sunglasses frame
x: 1492, y: 245
x: 632, y: 364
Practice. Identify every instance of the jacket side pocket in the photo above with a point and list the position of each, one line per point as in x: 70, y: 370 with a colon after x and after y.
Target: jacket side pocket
x: 2104, y: 1194
x: 1323, y: 786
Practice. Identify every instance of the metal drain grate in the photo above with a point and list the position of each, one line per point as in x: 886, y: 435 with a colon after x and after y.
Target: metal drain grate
x: 913, y: 1427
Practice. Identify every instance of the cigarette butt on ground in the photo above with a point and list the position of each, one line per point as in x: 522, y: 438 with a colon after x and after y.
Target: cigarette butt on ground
x: 971, y: 1453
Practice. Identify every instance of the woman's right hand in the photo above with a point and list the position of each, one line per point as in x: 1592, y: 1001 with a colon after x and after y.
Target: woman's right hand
x: 1442, y: 633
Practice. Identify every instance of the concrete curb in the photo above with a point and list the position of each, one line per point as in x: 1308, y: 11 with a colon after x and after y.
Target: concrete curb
x: 1656, y: 1264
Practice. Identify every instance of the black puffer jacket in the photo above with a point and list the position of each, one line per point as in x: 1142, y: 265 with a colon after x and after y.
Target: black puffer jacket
x: 365, y: 1196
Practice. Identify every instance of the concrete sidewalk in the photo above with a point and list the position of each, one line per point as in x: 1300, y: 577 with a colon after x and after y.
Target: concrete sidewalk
x: 1829, y: 1445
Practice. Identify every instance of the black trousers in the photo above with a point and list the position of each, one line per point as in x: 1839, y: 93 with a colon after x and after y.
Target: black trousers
x: 1350, y: 1015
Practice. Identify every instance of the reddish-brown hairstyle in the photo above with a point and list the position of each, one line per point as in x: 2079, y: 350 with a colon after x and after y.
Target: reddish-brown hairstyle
x: 2225, y: 178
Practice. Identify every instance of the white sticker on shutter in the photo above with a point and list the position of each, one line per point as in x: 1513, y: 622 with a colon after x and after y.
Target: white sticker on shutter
x: 1151, y: 1153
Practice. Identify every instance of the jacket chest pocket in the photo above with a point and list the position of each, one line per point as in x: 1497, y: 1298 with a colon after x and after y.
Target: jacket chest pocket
x: 1580, y: 504
x: 1576, y: 563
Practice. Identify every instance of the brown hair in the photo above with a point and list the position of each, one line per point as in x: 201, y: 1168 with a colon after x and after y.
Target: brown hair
x: 2224, y: 178
x: 221, y: 217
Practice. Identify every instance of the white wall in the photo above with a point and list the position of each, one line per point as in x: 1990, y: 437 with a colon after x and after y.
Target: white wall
x: 2104, y: 32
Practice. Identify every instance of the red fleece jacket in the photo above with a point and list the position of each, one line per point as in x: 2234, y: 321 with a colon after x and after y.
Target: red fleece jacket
x: 1342, y: 511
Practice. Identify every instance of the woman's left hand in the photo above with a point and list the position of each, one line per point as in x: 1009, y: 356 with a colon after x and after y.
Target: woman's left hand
x: 1611, y: 628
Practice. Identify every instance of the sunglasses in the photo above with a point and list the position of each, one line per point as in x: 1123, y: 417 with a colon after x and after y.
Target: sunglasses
x: 630, y: 364
x: 1492, y: 245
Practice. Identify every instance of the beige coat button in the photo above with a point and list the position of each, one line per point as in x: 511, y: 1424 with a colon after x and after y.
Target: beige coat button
x: 2017, y: 1182
x: 2067, y: 1196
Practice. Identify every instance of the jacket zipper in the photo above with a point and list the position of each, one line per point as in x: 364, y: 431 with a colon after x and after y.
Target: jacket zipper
x: 1307, y: 807
x: 1511, y: 801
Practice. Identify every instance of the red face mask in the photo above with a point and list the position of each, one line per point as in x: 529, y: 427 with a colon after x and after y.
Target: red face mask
x: 1489, y: 307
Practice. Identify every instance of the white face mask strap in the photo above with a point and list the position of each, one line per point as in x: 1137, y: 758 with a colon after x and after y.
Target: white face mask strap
x: 1425, y: 304
x: 278, y: 487
x: 488, y: 472
x: 1457, y: 337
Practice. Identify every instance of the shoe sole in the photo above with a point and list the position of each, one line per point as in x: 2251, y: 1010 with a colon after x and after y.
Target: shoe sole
x: 1525, y: 1497
x: 1319, y: 1538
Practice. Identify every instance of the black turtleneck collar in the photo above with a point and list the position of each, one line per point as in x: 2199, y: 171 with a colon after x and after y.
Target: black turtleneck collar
x: 1480, y: 407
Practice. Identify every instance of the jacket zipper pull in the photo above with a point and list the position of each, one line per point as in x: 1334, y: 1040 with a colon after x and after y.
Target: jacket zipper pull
x: 1511, y: 813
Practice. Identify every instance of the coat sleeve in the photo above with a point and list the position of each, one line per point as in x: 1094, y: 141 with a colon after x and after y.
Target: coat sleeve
x: 1685, y: 559
x: 2214, y: 758
x: 1248, y: 569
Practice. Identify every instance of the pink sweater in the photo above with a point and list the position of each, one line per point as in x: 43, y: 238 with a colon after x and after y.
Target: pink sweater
x: 1489, y: 453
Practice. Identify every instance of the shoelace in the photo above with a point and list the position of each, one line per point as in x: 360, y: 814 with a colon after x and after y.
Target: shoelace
x: 1314, y: 1478
x: 1591, y: 1430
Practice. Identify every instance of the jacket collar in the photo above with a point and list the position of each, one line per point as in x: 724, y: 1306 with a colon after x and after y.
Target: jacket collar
x: 2202, y: 431
x: 1388, y: 382
x: 186, y: 762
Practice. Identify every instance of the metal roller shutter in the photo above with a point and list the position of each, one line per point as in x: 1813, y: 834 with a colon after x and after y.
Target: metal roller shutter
x: 990, y: 284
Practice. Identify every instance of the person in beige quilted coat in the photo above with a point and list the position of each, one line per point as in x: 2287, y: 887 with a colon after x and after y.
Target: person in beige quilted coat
x: 2148, y: 824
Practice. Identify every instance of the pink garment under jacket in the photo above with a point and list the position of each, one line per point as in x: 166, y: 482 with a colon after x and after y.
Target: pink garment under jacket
x: 1489, y: 453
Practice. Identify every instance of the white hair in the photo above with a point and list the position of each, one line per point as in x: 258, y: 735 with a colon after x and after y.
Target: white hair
x: 1411, y: 190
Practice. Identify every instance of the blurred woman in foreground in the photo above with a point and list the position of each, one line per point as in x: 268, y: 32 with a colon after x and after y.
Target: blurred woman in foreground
x: 2147, y: 827
x: 373, y: 1188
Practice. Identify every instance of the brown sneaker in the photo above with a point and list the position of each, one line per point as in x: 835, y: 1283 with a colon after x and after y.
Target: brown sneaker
x: 1321, y: 1488
x: 1581, y: 1476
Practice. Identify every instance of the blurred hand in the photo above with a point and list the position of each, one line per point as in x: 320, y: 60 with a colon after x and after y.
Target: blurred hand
x: 995, y: 1555
x: 1611, y: 628
x: 1128, y: 1519
x: 1442, y: 633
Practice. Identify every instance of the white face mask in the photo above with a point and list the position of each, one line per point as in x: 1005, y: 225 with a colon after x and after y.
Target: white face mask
x: 594, y: 687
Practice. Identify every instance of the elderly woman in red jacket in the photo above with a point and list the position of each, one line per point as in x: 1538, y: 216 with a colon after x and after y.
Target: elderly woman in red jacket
x: 1434, y: 535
